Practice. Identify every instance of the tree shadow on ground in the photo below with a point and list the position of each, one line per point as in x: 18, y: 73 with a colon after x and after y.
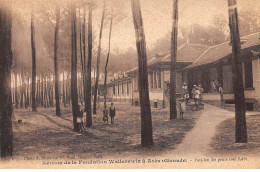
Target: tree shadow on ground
x: 223, y: 142
x: 56, y: 137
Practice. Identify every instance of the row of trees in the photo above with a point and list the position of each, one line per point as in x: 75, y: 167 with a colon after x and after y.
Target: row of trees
x: 146, y: 120
x: 43, y: 80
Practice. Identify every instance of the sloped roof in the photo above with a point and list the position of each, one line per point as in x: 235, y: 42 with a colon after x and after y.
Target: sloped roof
x: 187, y: 53
x: 101, y: 81
x: 223, y: 50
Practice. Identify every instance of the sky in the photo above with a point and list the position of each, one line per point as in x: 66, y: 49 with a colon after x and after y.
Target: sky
x: 157, y: 18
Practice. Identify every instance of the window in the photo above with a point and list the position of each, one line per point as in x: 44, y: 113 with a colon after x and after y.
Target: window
x: 155, y: 79
x: 122, y: 88
x: 155, y: 104
x: 151, y: 80
x: 114, y: 89
x: 118, y: 85
x: 159, y: 79
x: 127, y: 88
x: 137, y: 84
x: 248, y: 73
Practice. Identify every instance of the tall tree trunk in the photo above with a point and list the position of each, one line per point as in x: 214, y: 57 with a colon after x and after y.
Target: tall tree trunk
x: 74, y: 87
x: 25, y: 92
x: 173, y: 110
x: 45, y: 92
x: 146, y: 119
x: 56, y: 66
x: 22, y: 88
x: 88, y: 72
x: 37, y: 91
x: 238, y: 87
x: 108, y: 54
x: 16, y: 92
x: 81, y: 49
x: 63, y: 90
x: 81, y: 38
x: 42, y: 89
x: 48, y: 92
x: 68, y: 98
x: 6, y: 57
x: 34, y: 108
x: 84, y: 54
x: 98, y: 59
x: 51, y: 91
x: 28, y: 91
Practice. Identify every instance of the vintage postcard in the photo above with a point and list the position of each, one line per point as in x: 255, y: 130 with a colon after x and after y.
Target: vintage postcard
x: 132, y: 84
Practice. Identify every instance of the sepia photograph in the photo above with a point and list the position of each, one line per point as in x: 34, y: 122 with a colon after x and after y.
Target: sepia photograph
x: 130, y: 84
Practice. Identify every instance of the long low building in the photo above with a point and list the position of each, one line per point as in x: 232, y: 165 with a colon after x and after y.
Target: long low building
x: 196, y: 64
x: 214, y: 67
x: 124, y: 87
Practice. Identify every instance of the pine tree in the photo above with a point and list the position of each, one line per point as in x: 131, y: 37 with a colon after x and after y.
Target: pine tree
x: 6, y: 57
x: 74, y: 87
x: 173, y: 110
x: 98, y: 60
x: 108, y: 54
x: 88, y: 73
x: 56, y: 69
x: 237, y: 75
x: 34, y: 108
x: 146, y: 119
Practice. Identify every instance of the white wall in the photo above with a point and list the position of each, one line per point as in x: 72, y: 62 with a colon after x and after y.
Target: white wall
x: 256, y: 81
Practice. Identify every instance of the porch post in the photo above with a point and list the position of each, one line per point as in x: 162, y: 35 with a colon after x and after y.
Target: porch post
x: 220, y: 74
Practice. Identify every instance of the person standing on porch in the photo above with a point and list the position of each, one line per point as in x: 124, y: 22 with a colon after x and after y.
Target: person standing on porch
x: 201, y: 93
x: 221, y: 93
x: 197, y: 97
x: 182, y: 107
x: 193, y: 92
x: 217, y: 85
x: 213, y: 86
x: 185, y: 94
x: 184, y: 90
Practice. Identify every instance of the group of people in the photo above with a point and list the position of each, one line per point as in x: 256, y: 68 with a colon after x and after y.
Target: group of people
x: 112, y: 113
x: 197, y: 96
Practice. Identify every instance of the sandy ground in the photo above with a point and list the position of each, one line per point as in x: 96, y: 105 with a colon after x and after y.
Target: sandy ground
x: 204, y: 139
x: 223, y: 142
x: 43, y: 134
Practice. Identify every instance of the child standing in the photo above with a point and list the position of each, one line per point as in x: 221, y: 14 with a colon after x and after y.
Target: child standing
x: 112, y: 112
x: 221, y: 93
x: 196, y: 98
x: 105, y: 115
x: 182, y: 107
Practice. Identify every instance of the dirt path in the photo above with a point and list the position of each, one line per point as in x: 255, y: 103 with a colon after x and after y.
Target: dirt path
x: 197, y: 141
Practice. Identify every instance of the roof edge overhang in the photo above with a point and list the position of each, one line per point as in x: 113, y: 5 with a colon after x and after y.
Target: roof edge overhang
x: 244, y: 50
